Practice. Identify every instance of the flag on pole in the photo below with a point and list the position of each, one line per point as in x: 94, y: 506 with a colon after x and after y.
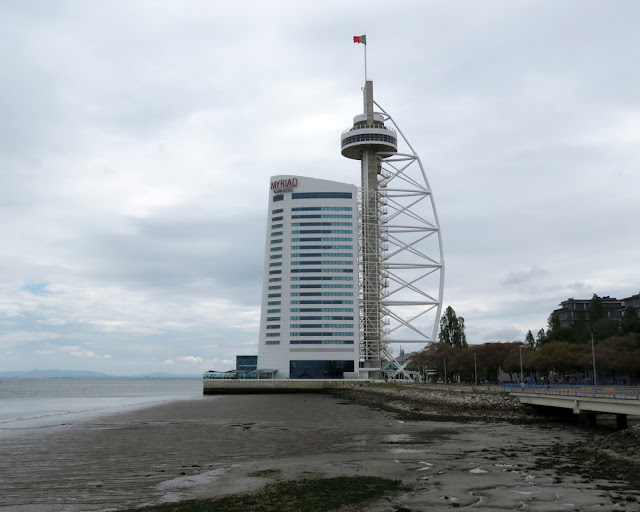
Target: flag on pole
x: 360, y: 39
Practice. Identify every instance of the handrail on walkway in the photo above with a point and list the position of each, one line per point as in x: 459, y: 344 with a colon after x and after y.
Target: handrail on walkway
x: 605, y: 391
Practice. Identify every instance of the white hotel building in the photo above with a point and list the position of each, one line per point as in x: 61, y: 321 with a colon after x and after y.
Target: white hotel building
x: 309, y: 321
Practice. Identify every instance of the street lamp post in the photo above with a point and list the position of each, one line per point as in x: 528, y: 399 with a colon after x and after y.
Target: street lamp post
x: 521, y: 372
x: 475, y: 368
x: 445, y: 373
x: 593, y: 356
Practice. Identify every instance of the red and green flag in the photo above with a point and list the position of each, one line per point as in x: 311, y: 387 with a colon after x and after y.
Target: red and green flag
x: 360, y: 39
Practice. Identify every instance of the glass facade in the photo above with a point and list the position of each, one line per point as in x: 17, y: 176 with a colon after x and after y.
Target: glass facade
x: 246, y: 363
x: 305, y: 369
x: 322, y: 195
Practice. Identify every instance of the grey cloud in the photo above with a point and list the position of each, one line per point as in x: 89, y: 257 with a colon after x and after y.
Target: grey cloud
x: 136, y: 143
x: 522, y: 276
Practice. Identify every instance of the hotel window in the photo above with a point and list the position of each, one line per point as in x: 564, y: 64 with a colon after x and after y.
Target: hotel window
x: 321, y: 195
x: 322, y: 209
x: 322, y: 216
x: 307, y: 270
x: 322, y: 239
x: 320, y: 231
x: 328, y: 334
x: 321, y: 294
x: 296, y: 286
x: 277, y: 198
x: 301, y: 224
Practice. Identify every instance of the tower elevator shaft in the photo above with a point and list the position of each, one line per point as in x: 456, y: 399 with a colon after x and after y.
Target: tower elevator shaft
x: 365, y: 142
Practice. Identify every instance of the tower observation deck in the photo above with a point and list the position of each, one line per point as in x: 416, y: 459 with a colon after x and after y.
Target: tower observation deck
x: 401, y: 257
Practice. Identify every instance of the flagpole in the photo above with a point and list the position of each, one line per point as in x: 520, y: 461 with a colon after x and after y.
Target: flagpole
x: 365, y: 56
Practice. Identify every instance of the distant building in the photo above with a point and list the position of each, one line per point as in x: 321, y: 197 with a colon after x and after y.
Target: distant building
x: 572, y: 309
x: 632, y: 302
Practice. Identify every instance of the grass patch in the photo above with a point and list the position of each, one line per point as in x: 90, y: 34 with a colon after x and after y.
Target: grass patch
x: 407, y: 443
x: 308, y: 495
x: 266, y: 473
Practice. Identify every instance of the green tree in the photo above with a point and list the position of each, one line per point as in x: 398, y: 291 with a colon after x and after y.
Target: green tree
x: 562, y: 357
x: 462, y: 364
x: 553, y: 326
x: 511, y: 363
x: 530, y: 340
x: 433, y: 357
x: 491, y: 358
x: 630, y: 321
x: 596, y: 309
x: 452, y: 329
x: 581, y: 329
x: 619, y: 355
x: 553, y: 322
x: 541, y: 338
x: 605, y: 328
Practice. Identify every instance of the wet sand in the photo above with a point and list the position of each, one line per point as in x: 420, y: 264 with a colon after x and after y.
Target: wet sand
x: 212, y: 446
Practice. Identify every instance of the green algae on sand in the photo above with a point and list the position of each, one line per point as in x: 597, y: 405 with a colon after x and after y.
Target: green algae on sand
x: 306, y: 495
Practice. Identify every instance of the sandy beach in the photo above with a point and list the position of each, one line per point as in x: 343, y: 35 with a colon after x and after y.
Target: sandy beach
x: 211, y: 446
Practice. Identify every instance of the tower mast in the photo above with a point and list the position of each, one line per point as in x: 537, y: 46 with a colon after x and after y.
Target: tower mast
x: 365, y: 141
x: 401, y: 256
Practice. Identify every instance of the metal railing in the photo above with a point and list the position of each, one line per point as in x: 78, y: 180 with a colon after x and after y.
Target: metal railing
x: 604, y: 391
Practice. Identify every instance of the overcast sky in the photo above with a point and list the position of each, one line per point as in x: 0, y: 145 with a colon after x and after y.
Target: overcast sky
x: 137, y: 139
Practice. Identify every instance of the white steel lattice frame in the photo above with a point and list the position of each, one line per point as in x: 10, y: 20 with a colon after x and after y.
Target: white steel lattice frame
x: 405, y: 263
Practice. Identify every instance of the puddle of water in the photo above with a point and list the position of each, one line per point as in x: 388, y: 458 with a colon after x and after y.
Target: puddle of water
x: 427, y: 465
x: 397, y: 438
x: 406, y: 450
x: 477, y: 471
x: 183, y: 482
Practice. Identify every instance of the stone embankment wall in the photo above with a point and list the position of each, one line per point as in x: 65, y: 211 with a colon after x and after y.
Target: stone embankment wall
x: 422, y: 400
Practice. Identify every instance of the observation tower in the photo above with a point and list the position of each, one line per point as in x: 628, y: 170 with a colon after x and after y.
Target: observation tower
x: 401, y: 258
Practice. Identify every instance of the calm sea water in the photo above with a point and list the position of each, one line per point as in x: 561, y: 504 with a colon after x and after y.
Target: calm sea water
x: 29, y: 403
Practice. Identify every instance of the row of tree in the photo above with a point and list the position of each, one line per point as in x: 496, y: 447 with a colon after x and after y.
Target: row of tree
x: 616, y: 358
x: 561, y: 350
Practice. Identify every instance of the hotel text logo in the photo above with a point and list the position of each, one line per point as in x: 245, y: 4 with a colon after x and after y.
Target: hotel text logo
x: 284, y: 185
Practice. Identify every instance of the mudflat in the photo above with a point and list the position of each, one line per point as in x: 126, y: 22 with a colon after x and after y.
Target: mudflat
x: 228, y: 444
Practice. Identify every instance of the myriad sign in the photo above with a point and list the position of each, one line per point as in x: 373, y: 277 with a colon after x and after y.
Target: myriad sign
x: 284, y: 185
